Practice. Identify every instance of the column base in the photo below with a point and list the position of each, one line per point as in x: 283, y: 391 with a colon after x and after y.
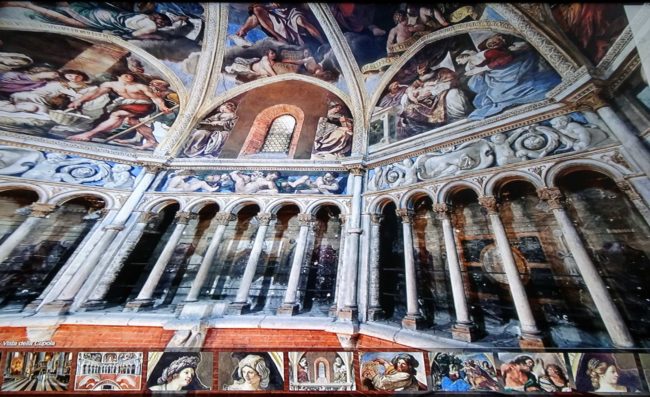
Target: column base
x: 33, y: 305
x: 465, y: 332
x: 56, y: 307
x: 93, y: 304
x: 375, y: 314
x: 238, y: 308
x: 288, y: 309
x: 348, y: 313
x: 413, y: 322
x: 531, y: 341
x: 333, y: 311
x: 138, y: 305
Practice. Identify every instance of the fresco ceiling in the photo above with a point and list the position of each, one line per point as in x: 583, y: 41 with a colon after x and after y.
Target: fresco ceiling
x: 251, y: 81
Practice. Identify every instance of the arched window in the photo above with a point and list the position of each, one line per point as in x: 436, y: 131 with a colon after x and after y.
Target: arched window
x: 275, y: 133
x: 278, y: 137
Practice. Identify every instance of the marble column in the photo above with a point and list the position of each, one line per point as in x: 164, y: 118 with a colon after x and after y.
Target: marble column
x: 222, y: 219
x: 96, y: 297
x: 375, y: 311
x: 74, y: 282
x: 144, y: 298
x: 628, y: 139
x: 608, y: 311
x: 38, y: 212
x: 464, y: 329
x: 340, y: 266
x: 350, y: 311
x: 413, y: 320
x: 635, y: 198
x: 290, y: 306
x: 241, y: 305
x: 530, y: 334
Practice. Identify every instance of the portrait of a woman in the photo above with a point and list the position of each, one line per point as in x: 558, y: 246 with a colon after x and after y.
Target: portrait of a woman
x: 604, y: 376
x: 253, y: 374
x: 606, y: 372
x: 176, y: 372
x: 250, y: 371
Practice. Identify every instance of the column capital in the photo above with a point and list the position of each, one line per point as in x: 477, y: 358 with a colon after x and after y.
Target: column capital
x: 115, y: 226
x: 442, y: 210
x: 153, y: 168
x: 184, y: 217
x: 553, y: 196
x: 593, y: 100
x: 356, y: 169
x: 405, y: 214
x: 489, y: 203
x: 264, y: 218
x: 305, y: 219
x: 627, y: 188
x: 41, y: 210
x: 224, y: 218
x: 376, y: 218
x: 147, y: 216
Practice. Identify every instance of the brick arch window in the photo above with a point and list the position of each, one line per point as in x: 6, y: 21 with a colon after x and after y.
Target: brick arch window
x: 279, y: 136
x: 275, y: 132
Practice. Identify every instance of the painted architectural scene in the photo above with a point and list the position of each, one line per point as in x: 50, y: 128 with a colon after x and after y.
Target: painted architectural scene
x: 394, y: 371
x: 562, y: 134
x: 321, y: 371
x: 605, y: 372
x: 36, y: 371
x: 171, y: 32
x: 56, y: 167
x: 534, y: 373
x: 463, y: 372
x: 74, y: 90
x: 465, y: 77
x: 252, y: 182
x: 179, y: 371
x: 271, y: 39
x: 251, y: 371
x: 99, y: 371
x: 265, y: 123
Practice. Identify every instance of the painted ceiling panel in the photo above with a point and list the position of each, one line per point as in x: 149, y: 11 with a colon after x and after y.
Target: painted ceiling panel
x: 69, y: 89
x: 465, y: 77
x: 266, y: 40
x: 412, y: 68
x: 172, y: 32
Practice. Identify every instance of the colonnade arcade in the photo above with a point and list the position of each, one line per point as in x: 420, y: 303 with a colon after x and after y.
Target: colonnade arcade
x: 539, y: 253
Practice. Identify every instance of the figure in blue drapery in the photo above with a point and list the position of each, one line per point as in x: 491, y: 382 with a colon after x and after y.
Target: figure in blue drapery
x: 506, y: 75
